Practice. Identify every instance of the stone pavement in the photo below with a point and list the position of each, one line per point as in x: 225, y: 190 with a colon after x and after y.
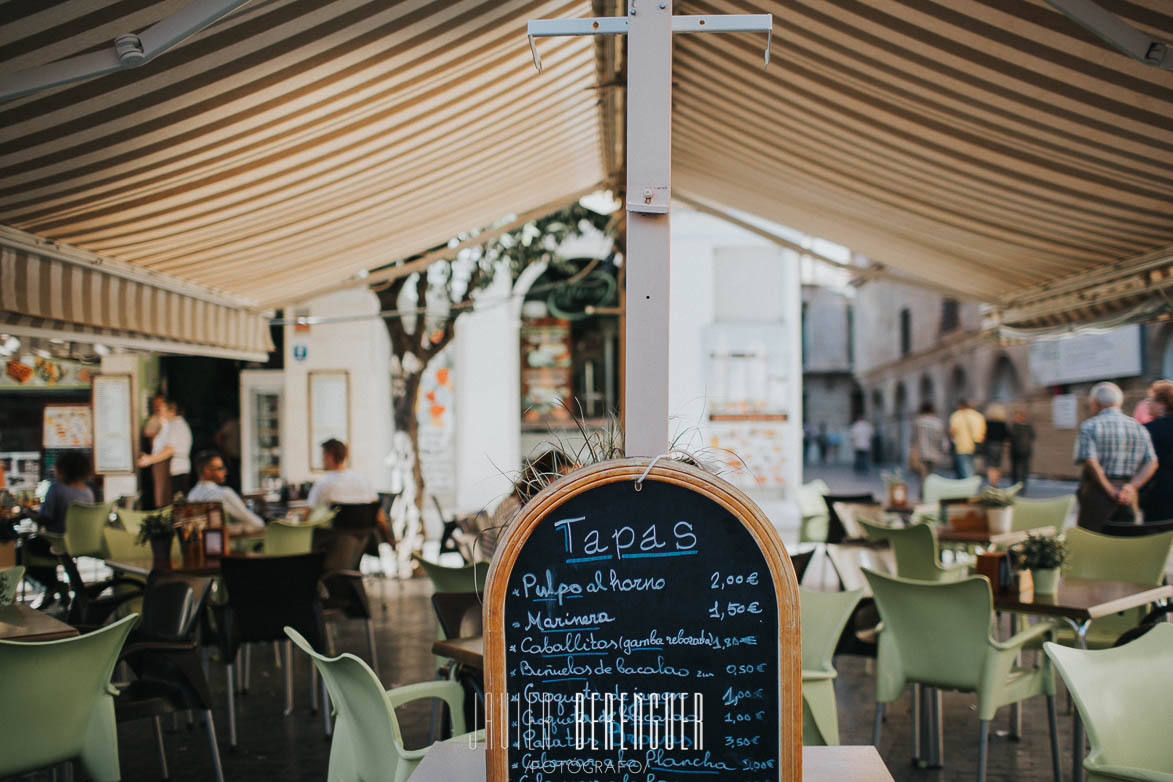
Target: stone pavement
x: 273, y: 747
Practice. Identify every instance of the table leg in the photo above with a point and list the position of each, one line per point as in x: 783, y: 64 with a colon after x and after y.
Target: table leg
x: 1016, y: 707
x: 1077, y: 730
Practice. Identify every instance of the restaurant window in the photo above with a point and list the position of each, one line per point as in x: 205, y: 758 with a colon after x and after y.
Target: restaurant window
x: 950, y: 315
x: 570, y: 347
x: 905, y: 331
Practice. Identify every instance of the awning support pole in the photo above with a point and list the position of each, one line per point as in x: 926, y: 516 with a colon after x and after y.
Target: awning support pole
x: 649, y: 26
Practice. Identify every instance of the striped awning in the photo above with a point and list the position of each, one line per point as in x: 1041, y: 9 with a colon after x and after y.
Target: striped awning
x: 293, y: 144
x: 989, y: 146
x: 48, y: 292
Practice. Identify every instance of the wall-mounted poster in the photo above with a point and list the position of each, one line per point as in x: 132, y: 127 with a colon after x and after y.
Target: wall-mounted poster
x: 329, y: 411
x: 112, y: 400
x: 67, y: 426
x: 36, y: 372
x: 546, y: 371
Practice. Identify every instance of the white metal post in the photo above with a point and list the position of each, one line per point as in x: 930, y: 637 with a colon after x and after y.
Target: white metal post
x: 649, y: 163
x: 648, y: 25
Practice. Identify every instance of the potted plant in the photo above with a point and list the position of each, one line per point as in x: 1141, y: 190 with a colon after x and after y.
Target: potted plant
x: 158, y: 529
x: 1042, y: 555
x: 999, y: 505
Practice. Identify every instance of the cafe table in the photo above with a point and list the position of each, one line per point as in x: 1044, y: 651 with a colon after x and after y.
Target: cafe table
x: 456, y: 760
x: 949, y: 535
x: 1079, y: 601
x: 20, y: 622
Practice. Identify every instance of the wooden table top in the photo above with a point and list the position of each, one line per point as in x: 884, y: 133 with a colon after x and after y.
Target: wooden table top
x: 466, y: 651
x: 23, y: 623
x: 947, y: 534
x: 1082, y: 599
x: 454, y: 759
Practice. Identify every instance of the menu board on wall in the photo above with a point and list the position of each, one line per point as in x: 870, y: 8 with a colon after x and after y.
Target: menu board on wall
x: 112, y: 403
x: 643, y: 622
x: 546, y: 371
x: 67, y: 426
x: 329, y: 408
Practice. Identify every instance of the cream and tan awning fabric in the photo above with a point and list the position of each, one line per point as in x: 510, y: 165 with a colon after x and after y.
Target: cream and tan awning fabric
x: 991, y: 146
x: 54, y: 293
x: 294, y: 144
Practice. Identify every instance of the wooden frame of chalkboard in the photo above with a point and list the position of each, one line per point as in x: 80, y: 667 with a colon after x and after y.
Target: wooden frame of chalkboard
x: 729, y: 498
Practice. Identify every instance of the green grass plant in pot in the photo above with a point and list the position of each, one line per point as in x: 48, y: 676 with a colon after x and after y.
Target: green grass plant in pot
x: 999, y: 505
x: 1043, y: 556
x: 158, y: 529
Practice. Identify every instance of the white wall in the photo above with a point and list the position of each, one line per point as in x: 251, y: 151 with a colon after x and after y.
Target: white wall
x: 488, y: 398
x: 697, y: 241
x: 363, y: 349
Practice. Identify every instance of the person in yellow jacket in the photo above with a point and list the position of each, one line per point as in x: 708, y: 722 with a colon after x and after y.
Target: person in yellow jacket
x: 967, y: 430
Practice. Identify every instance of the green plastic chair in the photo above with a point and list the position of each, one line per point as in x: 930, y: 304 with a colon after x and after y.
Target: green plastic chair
x: 321, y: 516
x: 1135, y: 560
x: 469, y: 578
x: 1123, y: 696
x: 83, y: 529
x: 10, y: 584
x: 282, y: 538
x: 938, y: 635
x: 916, y: 551
x: 1051, y: 512
x: 59, y: 705
x: 816, y: 519
x: 132, y: 520
x: 938, y: 487
x: 824, y: 615
x: 368, y: 745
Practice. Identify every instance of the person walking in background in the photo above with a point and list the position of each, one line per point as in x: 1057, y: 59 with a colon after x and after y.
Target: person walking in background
x: 996, y: 435
x: 1118, y: 458
x: 861, y: 442
x: 1022, y: 443
x: 967, y: 430
x: 928, y: 442
x: 824, y: 442
x: 1156, y: 498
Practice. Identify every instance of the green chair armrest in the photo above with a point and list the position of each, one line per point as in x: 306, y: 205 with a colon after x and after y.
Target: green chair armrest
x: 809, y: 675
x: 1128, y: 773
x: 1019, y: 640
x: 414, y: 692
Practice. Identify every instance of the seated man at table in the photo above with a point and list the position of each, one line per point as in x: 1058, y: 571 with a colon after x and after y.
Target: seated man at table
x: 211, y: 473
x: 340, y: 485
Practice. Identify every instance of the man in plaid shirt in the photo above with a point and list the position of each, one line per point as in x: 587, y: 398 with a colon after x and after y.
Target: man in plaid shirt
x: 1118, y: 458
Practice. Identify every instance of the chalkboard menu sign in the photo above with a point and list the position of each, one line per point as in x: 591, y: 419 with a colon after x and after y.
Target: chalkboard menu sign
x: 643, y: 630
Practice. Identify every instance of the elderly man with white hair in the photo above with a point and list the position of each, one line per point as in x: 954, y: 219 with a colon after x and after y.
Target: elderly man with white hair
x: 1117, y: 456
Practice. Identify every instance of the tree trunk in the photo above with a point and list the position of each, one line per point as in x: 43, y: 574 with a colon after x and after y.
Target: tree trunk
x: 407, y: 421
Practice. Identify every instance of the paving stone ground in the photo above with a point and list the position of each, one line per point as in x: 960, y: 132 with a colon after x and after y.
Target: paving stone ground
x: 273, y: 747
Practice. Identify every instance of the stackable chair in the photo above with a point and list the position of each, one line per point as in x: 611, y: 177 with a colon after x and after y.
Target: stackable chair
x: 164, y: 653
x: 824, y: 616
x: 1050, y: 512
x: 1123, y: 696
x: 815, y: 517
x: 282, y: 538
x: 938, y: 487
x: 10, y: 579
x: 467, y: 578
x: 265, y: 594
x: 1118, y: 529
x: 86, y: 522
x: 837, y: 528
x: 916, y: 551
x: 368, y: 744
x: 939, y: 635
x: 1136, y: 560
x: 85, y: 527
x: 344, y: 593
x: 57, y: 704
x: 132, y: 520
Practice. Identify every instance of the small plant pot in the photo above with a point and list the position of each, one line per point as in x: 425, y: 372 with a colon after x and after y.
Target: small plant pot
x: 998, y: 519
x: 161, y: 553
x: 1046, y: 580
